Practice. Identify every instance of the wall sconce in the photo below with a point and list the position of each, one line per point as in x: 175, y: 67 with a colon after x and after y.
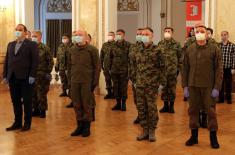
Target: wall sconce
x: 3, y: 5
x: 162, y: 15
x: 2, y: 8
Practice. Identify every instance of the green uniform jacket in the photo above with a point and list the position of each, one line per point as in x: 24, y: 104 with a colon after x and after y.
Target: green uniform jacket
x: 202, y: 66
x: 151, y: 68
x: 45, y: 60
x: 61, y: 57
x: 104, y: 54
x: 84, y: 64
x: 118, y: 57
x: 173, y: 55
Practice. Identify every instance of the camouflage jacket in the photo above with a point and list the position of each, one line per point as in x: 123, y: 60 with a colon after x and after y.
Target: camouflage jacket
x: 173, y: 55
x: 212, y: 41
x: 45, y: 60
x: 61, y: 62
x: 132, y: 61
x: 104, y: 54
x: 150, y: 68
x: 189, y: 42
x: 118, y: 57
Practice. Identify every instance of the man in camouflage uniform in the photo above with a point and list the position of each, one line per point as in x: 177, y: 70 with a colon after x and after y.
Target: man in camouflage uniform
x: 118, y: 64
x: 43, y: 77
x: 210, y: 38
x: 132, y: 66
x: 84, y: 65
x: 173, y: 55
x: 104, y: 64
x: 150, y: 73
x: 61, y: 63
x: 202, y: 75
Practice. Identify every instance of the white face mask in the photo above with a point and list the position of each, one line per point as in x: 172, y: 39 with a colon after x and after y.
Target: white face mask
x: 110, y: 38
x: 79, y: 39
x: 65, y: 41
x: 18, y: 34
x: 145, y: 39
x: 139, y: 38
x: 167, y: 35
x: 200, y: 36
x: 118, y: 37
x: 73, y: 39
x: 34, y: 39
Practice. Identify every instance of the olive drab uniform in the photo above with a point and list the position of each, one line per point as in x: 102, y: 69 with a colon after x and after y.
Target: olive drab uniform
x: 104, y: 54
x: 61, y: 65
x: 118, y: 64
x: 173, y: 56
x: 150, y: 73
x: 84, y: 66
x: 43, y: 78
x: 202, y: 72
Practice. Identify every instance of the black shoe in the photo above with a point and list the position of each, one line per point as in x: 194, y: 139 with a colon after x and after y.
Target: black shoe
x: 118, y: 105
x: 70, y: 105
x: 123, y: 105
x: 203, y: 122
x: 43, y: 114
x: 229, y: 102
x: 86, y: 130
x: 171, y: 109
x: 185, y: 99
x: 26, y: 127
x: 36, y: 112
x: 64, y: 94
x: 15, y: 126
x: 213, y: 140
x: 109, y: 95
x: 193, y: 139
x: 78, y: 131
x: 136, y: 121
x: 93, y: 114
x: 165, y: 108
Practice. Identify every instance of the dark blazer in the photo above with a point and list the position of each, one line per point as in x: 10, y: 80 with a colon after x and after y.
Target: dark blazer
x: 24, y: 63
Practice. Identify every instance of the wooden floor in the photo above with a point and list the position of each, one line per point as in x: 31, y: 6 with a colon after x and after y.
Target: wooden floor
x: 113, y: 133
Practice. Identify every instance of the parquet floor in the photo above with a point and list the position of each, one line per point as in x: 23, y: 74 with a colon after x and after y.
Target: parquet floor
x: 113, y: 133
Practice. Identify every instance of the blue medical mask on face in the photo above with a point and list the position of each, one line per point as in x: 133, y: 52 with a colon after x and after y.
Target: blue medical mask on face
x: 18, y: 34
x: 145, y: 39
x: 78, y: 39
x: 34, y: 39
x: 118, y: 37
x: 139, y: 38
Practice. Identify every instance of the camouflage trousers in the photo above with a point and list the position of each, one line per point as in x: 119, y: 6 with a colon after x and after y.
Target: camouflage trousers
x: 108, y: 79
x: 120, y: 84
x: 134, y: 94
x: 64, y: 79
x: 41, y: 89
x: 82, y: 101
x: 168, y: 92
x: 147, y: 107
x: 198, y: 98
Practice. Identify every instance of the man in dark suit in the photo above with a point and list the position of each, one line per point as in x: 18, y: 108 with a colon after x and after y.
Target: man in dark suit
x: 19, y: 71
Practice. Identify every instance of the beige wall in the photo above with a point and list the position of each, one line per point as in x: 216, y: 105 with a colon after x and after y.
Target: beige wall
x: 225, y: 18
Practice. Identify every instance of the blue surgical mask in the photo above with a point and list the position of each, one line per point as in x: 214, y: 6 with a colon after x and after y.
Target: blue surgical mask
x: 118, y: 37
x: 34, y: 39
x: 78, y: 39
x: 18, y: 34
x: 145, y: 39
x: 139, y: 38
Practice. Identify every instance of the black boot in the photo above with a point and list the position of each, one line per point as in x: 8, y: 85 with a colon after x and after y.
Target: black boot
x: 64, y: 94
x: 185, y: 99
x: 109, y: 95
x: 136, y: 121
x: 165, y: 107
x: 124, y: 104
x: 118, y: 105
x: 86, y: 130
x: 70, y: 105
x: 213, y: 140
x: 203, y: 119
x: 78, y: 131
x: 36, y: 112
x: 93, y: 114
x: 43, y: 114
x: 171, y: 110
x: 193, y: 139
